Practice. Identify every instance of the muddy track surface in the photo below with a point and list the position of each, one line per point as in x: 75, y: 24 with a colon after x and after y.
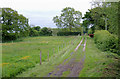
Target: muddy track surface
x: 74, y: 67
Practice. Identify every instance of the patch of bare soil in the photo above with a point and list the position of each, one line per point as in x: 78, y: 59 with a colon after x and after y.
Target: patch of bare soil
x: 73, y: 66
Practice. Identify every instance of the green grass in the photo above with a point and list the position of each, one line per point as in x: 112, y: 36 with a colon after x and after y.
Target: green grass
x: 65, y: 73
x: 97, y: 61
x: 22, y: 55
x: 31, y: 47
x: 46, y: 67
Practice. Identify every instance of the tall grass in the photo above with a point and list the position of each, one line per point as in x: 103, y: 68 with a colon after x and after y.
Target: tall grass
x: 97, y: 62
x: 19, y: 56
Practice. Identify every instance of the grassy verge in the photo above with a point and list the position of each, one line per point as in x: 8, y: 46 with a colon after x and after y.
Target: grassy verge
x: 98, y: 63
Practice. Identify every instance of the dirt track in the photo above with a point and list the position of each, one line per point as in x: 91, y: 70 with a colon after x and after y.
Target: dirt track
x: 74, y: 67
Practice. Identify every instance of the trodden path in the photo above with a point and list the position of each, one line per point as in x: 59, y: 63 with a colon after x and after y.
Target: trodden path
x: 72, y: 66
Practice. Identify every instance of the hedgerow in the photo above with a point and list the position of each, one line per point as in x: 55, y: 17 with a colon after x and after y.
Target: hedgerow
x: 68, y: 33
x: 106, y: 41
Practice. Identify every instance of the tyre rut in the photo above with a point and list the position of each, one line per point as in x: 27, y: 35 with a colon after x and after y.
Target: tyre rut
x: 73, y: 66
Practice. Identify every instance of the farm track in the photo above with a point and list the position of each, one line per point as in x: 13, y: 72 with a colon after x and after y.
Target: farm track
x: 74, y: 67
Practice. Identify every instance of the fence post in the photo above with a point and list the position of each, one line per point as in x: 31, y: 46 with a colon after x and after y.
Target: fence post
x: 71, y: 42
x: 58, y: 48
x: 40, y: 58
x: 53, y: 51
x: 48, y: 55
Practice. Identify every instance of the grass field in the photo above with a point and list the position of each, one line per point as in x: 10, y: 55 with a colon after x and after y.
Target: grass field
x: 23, y: 54
x: 47, y: 67
x: 21, y: 58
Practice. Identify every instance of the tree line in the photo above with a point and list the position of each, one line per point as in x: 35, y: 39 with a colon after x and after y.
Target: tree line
x: 69, y: 20
x: 103, y: 21
x: 103, y: 16
x: 16, y: 25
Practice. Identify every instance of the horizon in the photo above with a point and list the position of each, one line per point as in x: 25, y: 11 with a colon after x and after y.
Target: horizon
x: 40, y: 13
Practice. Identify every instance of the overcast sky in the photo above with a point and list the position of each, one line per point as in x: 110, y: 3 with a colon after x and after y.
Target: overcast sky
x: 41, y: 12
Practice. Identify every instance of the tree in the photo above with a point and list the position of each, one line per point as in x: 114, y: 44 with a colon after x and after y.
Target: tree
x: 54, y: 31
x: 112, y: 17
x: 105, y: 16
x: 88, y: 21
x: 68, y: 19
x: 95, y: 18
x: 33, y: 32
x: 13, y: 24
x: 36, y: 28
x: 45, y: 31
x: 0, y: 26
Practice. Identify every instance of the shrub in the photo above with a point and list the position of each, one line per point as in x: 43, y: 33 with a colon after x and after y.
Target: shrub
x: 9, y: 37
x: 68, y: 33
x: 90, y: 31
x: 45, y: 32
x: 106, y: 41
x: 33, y: 32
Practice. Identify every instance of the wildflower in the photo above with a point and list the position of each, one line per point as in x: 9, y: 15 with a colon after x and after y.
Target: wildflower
x: 25, y: 57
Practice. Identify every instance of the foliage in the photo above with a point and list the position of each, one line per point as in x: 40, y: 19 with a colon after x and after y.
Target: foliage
x: 36, y: 31
x: 54, y: 31
x: 37, y: 28
x: 68, y: 33
x: 104, y: 16
x: 112, y: 14
x: 14, y: 25
x: 88, y: 20
x: 106, y: 41
x: 0, y: 26
x: 98, y: 63
x: 46, y: 32
x: 68, y: 19
x: 20, y: 56
x: 90, y: 31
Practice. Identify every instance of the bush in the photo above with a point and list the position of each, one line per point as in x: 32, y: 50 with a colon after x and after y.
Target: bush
x: 68, y: 33
x: 90, y: 31
x: 9, y: 37
x: 45, y: 32
x: 33, y: 32
x: 106, y: 41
